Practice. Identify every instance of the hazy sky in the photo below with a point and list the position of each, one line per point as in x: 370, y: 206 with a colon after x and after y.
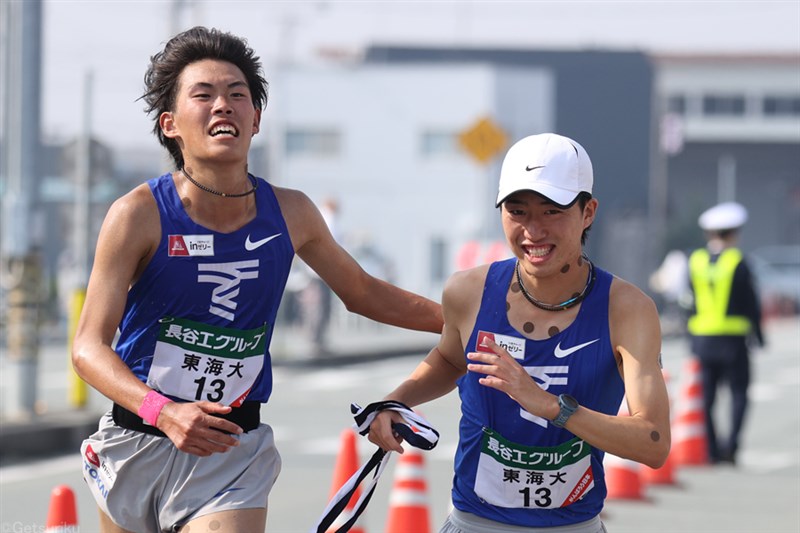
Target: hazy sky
x: 114, y: 39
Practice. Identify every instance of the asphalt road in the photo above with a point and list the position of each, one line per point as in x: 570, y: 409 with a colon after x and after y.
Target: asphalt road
x: 309, y: 411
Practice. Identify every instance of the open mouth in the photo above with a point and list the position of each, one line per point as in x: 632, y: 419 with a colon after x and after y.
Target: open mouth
x: 224, y: 130
x: 537, y: 252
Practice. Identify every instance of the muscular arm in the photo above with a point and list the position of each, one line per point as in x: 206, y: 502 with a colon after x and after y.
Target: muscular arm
x: 437, y: 374
x: 127, y: 240
x: 644, y: 435
x: 360, y: 292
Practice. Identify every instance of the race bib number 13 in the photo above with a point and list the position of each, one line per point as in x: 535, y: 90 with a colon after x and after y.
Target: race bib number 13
x: 194, y: 361
x: 517, y: 476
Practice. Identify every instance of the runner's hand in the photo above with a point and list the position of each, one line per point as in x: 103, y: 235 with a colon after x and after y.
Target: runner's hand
x: 504, y: 373
x: 382, y: 434
x: 194, y: 429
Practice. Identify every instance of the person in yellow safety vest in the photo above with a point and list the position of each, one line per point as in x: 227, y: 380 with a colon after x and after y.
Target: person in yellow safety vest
x: 726, y: 315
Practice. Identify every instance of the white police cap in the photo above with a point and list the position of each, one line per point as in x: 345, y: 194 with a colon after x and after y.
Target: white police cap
x: 728, y: 215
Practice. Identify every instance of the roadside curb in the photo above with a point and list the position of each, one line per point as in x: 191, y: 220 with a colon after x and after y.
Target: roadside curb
x: 45, y: 435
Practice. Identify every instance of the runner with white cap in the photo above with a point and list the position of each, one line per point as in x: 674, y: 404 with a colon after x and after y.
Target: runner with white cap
x: 542, y: 348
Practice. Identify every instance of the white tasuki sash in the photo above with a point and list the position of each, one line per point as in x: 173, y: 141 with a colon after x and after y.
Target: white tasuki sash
x: 415, y: 430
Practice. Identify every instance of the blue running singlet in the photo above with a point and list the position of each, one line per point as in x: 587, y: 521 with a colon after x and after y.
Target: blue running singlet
x: 516, y: 468
x: 198, y: 323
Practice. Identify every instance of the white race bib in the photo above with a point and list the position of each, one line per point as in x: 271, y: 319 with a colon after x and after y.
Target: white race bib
x: 517, y: 476
x: 194, y: 361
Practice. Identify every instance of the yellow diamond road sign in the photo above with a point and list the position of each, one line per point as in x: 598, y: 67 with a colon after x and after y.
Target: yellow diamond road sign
x: 483, y: 140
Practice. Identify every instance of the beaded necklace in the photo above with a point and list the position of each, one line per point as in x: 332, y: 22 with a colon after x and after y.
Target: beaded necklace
x: 200, y: 186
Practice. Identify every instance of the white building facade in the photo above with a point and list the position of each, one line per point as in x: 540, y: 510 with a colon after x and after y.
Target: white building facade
x: 384, y: 142
x: 734, y: 124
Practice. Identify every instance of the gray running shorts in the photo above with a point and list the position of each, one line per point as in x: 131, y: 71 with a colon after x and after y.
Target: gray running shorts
x: 461, y: 522
x: 144, y: 483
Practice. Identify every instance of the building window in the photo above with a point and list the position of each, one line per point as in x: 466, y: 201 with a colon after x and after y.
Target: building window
x: 777, y: 106
x: 438, y: 270
x: 435, y: 143
x: 719, y: 105
x: 676, y: 104
x: 317, y: 143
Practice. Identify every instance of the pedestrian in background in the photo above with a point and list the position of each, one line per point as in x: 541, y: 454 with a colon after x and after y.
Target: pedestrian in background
x: 542, y: 347
x: 725, y: 319
x: 191, y: 267
x: 670, y: 282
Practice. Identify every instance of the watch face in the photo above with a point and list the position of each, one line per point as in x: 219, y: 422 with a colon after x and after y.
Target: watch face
x: 569, y: 401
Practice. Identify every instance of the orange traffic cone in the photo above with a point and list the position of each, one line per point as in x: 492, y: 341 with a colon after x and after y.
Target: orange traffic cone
x: 622, y: 475
x: 346, y: 466
x: 408, y: 501
x: 689, y: 441
x: 664, y: 475
x: 62, y: 517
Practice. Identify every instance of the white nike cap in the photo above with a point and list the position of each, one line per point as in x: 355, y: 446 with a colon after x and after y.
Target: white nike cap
x: 727, y: 215
x: 554, y: 166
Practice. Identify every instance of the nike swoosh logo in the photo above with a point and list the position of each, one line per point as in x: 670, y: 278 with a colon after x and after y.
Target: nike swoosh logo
x: 560, y: 353
x: 251, y: 245
x: 533, y: 168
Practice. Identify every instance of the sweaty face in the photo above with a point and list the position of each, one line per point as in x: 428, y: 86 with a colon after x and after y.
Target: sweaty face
x: 214, y: 117
x: 543, y: 235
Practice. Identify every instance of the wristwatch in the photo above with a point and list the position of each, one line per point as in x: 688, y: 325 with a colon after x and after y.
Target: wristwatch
x: 568, y: 405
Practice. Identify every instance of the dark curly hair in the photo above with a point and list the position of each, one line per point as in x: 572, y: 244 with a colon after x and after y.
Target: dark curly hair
x: 196, y: 44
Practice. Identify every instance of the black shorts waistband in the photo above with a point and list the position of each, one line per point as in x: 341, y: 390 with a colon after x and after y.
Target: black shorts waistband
x: 247, y: 417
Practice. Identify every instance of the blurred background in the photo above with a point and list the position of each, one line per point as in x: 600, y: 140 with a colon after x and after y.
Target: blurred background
x: 394, y: 116
x: 398, y: 114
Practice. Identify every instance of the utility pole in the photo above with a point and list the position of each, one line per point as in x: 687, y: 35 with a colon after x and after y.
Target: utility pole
x: 78, y: 391
x: 20, y: 263
x: 726, y: 178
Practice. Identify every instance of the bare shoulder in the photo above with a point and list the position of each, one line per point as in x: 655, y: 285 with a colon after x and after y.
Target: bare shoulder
x: 633, y: 319
x: 295, y: 205
x: 463, y: 291
x: 461, y: 300
x: 627, y: 300
x: 135, y: 212
x: 129, y: 236
x: 291, y: 198
x: 302, y: 216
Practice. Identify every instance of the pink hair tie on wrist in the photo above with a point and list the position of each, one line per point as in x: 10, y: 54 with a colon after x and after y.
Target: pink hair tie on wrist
x: 151, y: 407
